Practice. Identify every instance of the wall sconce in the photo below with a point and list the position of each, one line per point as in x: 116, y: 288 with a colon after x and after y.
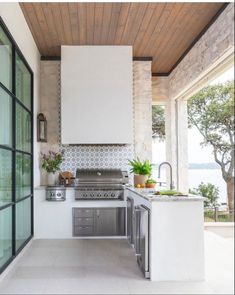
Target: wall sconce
x: 41, y: 128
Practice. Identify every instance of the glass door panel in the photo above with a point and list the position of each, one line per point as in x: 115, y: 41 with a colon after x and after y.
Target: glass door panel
x: 23, y: 83
x: 5, y: 60
x: 5, y: 118
x: 23, y: 175
x: 15, y: 148
x: 5, y: 235
x: 23, y: 129
x: 5, y: 177
x: 23, y: 222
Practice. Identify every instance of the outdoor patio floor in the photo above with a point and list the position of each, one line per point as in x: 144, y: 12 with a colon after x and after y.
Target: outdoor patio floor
x: 109, y: 266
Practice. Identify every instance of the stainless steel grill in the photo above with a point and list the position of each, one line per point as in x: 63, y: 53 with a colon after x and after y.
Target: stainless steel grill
x: 100, y: 184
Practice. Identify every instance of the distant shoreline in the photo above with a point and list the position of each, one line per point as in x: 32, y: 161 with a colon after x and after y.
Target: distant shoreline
x: 203, y: 166
x: 200, y: 166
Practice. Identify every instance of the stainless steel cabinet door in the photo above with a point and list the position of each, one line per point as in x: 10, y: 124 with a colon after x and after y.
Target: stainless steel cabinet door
x: 130, y: 217
x: 110, y: 221
x: 136, y: 230
x: 143, y: 239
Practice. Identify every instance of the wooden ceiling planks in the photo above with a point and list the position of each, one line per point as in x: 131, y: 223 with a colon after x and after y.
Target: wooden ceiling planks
x: 163, y: 31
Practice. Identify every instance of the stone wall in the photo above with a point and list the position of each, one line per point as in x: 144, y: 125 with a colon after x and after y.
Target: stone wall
x: 212, y: 45
x: 50, y: 101
x: 160, y: 90
x: 142, y: 92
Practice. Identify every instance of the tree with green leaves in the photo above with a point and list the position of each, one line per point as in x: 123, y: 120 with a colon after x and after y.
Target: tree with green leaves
x: 158, y: 122
x: 211, y: 111
x: 209, y: 191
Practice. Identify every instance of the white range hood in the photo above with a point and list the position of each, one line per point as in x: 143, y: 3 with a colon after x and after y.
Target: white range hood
x: 96, y: 95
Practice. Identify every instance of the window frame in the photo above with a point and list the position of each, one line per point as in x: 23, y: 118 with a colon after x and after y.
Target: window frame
x: 13, y: 149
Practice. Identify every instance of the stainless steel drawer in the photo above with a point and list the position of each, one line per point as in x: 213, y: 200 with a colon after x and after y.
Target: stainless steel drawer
x: 83, y: 231
x: 83, y: 212
x: 78, y: 221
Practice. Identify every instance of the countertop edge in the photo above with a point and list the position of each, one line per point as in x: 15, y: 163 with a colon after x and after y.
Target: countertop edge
x: 189, y: 198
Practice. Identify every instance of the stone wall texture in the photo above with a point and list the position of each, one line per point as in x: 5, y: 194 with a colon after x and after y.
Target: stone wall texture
x: 50, y: 101
x: 160, y: 90
x: 212, y: 45
x: 142, y: 91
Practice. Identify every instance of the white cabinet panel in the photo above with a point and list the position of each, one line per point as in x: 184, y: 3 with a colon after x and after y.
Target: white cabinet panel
x: 96, y: 95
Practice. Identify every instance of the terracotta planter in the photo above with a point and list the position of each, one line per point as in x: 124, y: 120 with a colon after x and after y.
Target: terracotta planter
x: 150, y: 185
x: 140, y: 179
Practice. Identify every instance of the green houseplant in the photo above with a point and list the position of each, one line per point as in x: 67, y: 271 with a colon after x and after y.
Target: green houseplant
x: 51, y: 164
x: 142, y: 171
x: 150, y: 183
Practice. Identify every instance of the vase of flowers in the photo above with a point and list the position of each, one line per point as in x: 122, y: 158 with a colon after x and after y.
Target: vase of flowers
x: 51, y: 164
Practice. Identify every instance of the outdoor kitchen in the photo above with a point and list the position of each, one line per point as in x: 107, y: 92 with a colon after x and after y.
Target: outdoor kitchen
x: 93, y: 179
x: 84, y: 207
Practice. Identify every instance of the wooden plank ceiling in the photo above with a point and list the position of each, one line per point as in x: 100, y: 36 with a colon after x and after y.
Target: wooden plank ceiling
x: 163, y: 31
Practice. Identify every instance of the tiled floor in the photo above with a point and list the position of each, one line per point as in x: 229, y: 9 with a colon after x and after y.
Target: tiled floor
x: 109, y: 267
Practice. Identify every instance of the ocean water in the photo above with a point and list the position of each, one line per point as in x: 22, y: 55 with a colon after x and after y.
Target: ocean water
x: 196, y: 176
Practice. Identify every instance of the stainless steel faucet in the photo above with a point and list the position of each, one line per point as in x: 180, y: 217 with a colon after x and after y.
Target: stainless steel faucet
x: 159, y: 173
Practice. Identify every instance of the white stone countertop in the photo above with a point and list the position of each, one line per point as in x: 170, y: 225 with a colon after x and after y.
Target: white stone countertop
x: 147, y: 194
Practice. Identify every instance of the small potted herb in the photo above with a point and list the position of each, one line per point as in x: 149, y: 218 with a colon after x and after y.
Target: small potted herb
x: 150, y: 183
x: 142, y: 171
x: 51, y: 164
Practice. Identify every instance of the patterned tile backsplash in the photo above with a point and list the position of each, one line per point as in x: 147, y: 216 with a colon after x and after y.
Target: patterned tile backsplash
x: 96, y: 156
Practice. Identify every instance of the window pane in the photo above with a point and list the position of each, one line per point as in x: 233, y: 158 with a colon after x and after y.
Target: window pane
x: 5, y: 60
x: 23, y: 175
x: 23, y: 129
x: 23, y: 83
x: 5, y: 177
x: 5, y: 118
x: 5, y: 235
x: 23, y: 222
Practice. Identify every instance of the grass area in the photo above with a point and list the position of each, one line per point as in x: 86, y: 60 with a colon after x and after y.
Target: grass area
x: 222, y: 216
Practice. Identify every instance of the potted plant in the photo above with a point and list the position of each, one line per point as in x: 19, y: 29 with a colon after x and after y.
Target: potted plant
x: 150, y: 183
x: 51, y: 163
x: 142, y: 171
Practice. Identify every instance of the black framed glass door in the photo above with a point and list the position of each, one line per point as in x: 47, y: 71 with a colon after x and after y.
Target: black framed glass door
x: 16, y: 149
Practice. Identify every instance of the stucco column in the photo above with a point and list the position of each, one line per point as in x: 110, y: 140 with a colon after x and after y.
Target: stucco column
x: 142, y: 95
x: 177, y: 142
x: 182, y: 145
x: 171, y: 142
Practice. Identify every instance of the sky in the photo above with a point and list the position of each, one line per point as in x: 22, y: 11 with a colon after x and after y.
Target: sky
x: 196, y: 153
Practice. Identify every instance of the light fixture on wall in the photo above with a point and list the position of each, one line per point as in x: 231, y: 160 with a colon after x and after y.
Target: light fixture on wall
x: 41, y: 128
